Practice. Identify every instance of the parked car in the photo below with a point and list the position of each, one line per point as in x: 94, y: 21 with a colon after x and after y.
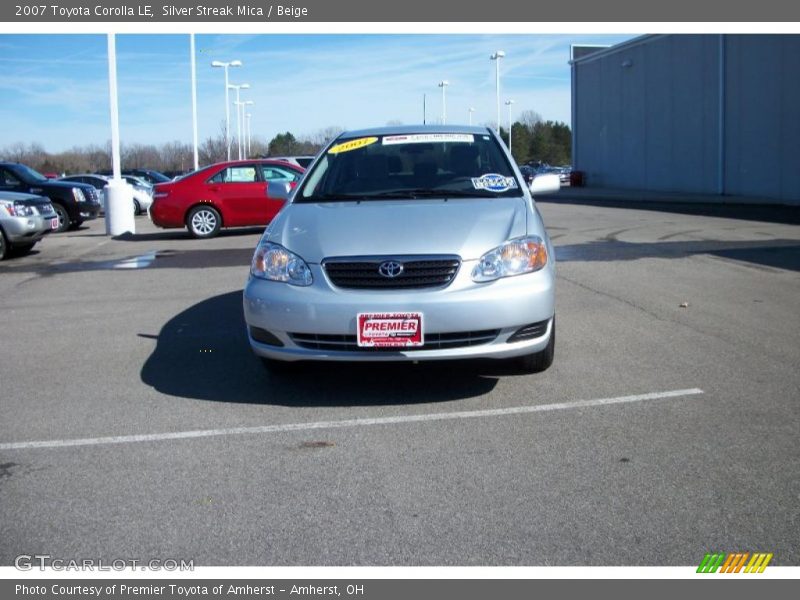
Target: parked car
x: 149, y: 175
x: 300, y: 161
x: 142, y: 196
x: 138, y: 182
x: 227, y: 194
x: 528, y: 173
x: 24, y: 220
x: 406, y: 244
x: 74, y: 203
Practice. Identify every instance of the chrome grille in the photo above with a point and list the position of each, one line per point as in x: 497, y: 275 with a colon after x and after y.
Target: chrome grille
x: 433, y: 341
x: 418, y: 272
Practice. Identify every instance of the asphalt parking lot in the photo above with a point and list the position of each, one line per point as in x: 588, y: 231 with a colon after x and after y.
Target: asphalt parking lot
x: 683, y: 328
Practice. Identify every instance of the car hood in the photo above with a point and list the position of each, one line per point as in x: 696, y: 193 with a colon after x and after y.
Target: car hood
x: 43, y: 186
x: 466, y: 227
x: 19, y: 197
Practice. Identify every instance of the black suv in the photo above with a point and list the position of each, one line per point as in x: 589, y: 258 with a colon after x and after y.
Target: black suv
x: 74, y: 203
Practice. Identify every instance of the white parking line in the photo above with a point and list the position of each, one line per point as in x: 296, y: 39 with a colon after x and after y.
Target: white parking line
x: 470, y: 414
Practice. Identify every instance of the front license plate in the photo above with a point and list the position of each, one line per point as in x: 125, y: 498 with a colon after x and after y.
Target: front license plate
x: 54, y: 223
x: 390, y: 330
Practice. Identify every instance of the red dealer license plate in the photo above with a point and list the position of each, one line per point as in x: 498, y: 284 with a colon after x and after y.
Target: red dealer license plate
x: 390, y: 330
x: 54, y: 223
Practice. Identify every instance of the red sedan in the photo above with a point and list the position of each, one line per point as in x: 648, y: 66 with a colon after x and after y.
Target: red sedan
x: 227, y: 194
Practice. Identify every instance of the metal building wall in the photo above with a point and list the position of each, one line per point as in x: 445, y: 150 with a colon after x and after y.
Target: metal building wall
x: 706, y: 114
x: 762, y: 116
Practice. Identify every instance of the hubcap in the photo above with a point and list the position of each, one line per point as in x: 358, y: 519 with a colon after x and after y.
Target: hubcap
x: 204, y: 222
x: 62, y: 217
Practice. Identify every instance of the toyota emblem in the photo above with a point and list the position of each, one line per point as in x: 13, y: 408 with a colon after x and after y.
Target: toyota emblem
x: 390, y: 269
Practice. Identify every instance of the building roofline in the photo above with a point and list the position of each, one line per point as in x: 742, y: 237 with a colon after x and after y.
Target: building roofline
x: 627, y: 45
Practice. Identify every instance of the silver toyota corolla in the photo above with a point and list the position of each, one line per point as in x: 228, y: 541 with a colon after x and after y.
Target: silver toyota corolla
x: 406, y: 244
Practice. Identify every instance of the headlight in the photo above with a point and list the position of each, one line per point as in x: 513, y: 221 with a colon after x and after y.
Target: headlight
x: 276, y: 263
x: 15, y: 209
x: 77, y: 193
x: 515, y: 257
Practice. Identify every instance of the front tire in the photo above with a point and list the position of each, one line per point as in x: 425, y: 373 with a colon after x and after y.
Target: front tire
x: 3, y: 245
x: 540, y: 361
x: 137, y: 208
x: 203, y: 222
x: 64, y: 221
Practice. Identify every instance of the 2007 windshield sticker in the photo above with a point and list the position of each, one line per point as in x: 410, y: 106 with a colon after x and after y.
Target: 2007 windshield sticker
x: 352, y: 145
x: 493, y: 182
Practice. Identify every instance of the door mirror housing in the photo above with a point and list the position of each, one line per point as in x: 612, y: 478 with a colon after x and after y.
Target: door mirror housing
x: 546, y: 183
x: 279, y: 190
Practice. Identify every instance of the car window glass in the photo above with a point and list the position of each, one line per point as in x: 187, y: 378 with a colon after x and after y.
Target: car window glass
x: 242, y: 174
x: 278, y: 174
x: 8, y: 179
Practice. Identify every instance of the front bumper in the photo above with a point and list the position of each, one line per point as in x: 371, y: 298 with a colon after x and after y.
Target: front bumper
x: 27, y: 230
x: 88, y: 210
x: 505, y: 305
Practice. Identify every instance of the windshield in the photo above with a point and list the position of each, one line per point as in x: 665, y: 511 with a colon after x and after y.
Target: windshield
x: 419, y: 165
x: 156, y: 177
x: 28, y: 173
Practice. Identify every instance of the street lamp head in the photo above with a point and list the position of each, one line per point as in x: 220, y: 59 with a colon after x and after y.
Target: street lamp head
x: 248, y: 102
x: 244, y: 86
x: 235, y: 63
x: 217, y: 63
x: 498, y: 54
x: 444, y: 83
x: 509, y: 102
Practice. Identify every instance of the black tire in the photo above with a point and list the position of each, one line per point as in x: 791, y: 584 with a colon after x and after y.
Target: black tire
x: 21, y: 249
x: 203, y: 221
x: 64, y: 222
x: 540, y: 361
x: 3, y: 245
x: 137, y: 208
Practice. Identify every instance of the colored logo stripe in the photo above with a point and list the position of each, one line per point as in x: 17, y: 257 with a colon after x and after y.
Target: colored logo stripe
x: 711, y: 562
x: 734, y: 561
x: 758, y: 563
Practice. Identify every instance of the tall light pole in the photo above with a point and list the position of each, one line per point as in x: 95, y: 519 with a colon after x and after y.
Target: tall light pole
x: 508, y: 104
x: 118, y: 194
x: 471, y: 110
x: 194, y: 103
x: 443, y: 85
x: 225, y: 65
x: 246, y: 127
x: 238, y: 103
x: 249, y: 133
x: 496, y: 57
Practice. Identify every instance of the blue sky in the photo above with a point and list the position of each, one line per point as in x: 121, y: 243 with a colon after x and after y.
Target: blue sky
x: 55, y: 87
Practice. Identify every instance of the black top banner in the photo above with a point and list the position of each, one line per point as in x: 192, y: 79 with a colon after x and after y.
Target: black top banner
x: 408, y: 11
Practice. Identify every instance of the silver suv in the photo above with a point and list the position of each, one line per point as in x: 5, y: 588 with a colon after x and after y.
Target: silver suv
x: 406, y: 244
x: 24, y: 219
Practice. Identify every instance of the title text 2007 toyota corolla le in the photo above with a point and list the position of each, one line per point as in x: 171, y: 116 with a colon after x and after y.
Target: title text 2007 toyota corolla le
x: 406, y: 244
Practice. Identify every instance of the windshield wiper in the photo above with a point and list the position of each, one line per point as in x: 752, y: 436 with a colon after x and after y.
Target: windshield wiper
x: 330, y: 197
x: 432, y: 193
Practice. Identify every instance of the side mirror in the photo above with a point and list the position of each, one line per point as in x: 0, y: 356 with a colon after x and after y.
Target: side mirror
x: 545, y: 184
x: 279, y: 190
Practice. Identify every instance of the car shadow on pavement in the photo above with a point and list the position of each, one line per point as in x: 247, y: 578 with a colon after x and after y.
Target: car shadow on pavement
x: 182, y: 234
x: 778, y: 253
x: 203, y: 353
x: 767, y: 213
